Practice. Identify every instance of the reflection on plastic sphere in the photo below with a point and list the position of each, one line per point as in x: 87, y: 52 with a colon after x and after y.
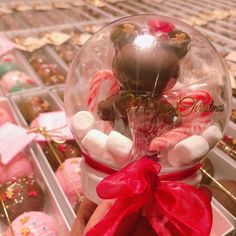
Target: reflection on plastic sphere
x: 147, y: 86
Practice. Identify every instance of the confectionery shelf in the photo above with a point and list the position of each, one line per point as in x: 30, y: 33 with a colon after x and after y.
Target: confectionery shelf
x: 47, y: 67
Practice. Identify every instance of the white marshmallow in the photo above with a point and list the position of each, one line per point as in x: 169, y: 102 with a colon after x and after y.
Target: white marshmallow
x: 119, y: 147
x: 95, y: 142
x: 191, y: 148
x: 212, y: 134
x: 82, y: 122
x: 174, y: 159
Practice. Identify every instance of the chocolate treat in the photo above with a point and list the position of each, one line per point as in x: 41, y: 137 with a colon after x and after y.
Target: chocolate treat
x: 207, y: 166
x: 233, y: 116
x: 19, y: 196
x: 31, y: 108
x: 179, y: 42
x: 66, y: 52
x: 64, y: 151
x: 48, y: 72
x: 124, y: 34
x: 158, y: 67
x: 143, y: 76
x: 234, y: 92
x: 33, y: 223
x: 153, y: 63
x: 220, y: 195
x: 228, y: 145
x: 92, y: 29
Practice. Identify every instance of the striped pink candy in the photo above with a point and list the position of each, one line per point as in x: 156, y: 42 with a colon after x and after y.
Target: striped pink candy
x: 171, y: 138
x: 96, y: 83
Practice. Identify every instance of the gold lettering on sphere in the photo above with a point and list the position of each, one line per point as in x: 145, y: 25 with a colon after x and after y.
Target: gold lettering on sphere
x: 189, y: 105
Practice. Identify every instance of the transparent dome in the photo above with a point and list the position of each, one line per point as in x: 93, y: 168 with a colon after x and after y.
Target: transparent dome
x: 149, y: 86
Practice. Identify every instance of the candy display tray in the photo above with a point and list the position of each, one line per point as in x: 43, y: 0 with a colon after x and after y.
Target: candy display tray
x: 53, y: 206
x: 55, y: 95
x: 218, y: 31
x: 56, y: 105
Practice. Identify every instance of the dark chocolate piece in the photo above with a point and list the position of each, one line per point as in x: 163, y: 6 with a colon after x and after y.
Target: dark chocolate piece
x: 66, y: 52
x: 19, y: 196
x: 48, y: 72
x: 124, y: 34
x: 64, y: 151
x: 234, y: 92
x: 31, y: 108
x: 179, y: 42
x: 146, y: 72
x: 228, y: 145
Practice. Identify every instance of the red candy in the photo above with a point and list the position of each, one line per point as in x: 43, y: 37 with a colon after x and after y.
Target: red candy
x: 96, y: 83
x: 169, y: 139
x: 156, y: 26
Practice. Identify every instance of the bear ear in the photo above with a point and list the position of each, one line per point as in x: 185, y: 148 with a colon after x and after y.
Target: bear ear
x: 123, y: 34
x: 179, y: 42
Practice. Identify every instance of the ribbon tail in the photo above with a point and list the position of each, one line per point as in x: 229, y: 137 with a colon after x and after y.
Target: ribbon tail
x: 180, y: 209
x: 180, y: 175
x: 156, y: 219
x: 120, y: 220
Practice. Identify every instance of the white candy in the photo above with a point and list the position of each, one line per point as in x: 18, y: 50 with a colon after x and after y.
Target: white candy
x: 212, y: 134
x: 82, y: 122
x: 191, y: 148
x: 119, y: 147
x: 95, y: 143
x: 174, y: 159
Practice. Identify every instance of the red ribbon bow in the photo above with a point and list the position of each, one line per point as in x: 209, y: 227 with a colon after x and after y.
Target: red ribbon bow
x: 171, y: 208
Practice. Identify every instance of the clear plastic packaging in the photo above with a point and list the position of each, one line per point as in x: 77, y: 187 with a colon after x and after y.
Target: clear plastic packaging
x: 147, y: 86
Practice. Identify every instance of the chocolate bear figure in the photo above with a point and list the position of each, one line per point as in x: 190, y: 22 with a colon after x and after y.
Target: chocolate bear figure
x: 145, y: 67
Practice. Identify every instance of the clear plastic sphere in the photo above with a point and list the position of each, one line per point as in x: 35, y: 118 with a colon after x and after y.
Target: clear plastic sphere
x: 149, y: 86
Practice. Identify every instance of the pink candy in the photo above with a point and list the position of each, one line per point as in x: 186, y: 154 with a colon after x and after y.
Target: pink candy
x: 169, y: 139
x: 96, y: 83
x: 68, y: 175
x: 194, y: 104
x: 18, y: 167
x: 194, y: 119
x: 33, y: 224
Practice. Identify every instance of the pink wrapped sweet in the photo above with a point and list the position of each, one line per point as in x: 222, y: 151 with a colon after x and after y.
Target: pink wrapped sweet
x: 15, y: 81
x: 18, y: 167
x: 4, y: 116
x: 8, y: 58
x: 68, y: 175
x: 33, y: 224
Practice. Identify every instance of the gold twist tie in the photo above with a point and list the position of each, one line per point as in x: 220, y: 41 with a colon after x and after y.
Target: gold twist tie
x: 6, y: 214
x: 225, y: 190
x: 57, y: 137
